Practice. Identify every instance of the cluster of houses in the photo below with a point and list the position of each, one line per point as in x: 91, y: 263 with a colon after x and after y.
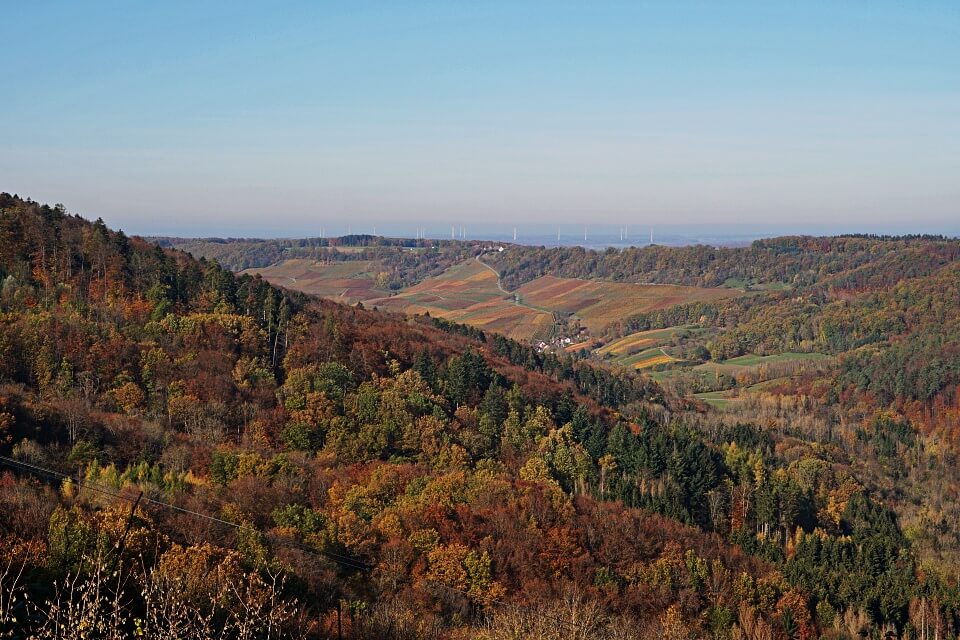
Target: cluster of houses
x: 557, y: 344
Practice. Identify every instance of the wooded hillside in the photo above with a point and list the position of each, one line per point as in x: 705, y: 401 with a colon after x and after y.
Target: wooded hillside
x: 295, y: 458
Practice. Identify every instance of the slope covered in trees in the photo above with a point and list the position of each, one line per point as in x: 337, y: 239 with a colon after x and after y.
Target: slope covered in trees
x: 797, y: 261
x: 297, y: 458
x: 893, y: 327
x: 402, y: 262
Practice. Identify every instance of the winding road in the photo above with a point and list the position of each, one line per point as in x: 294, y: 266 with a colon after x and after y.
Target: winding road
x: 496, y: 273
x: 517, y: 300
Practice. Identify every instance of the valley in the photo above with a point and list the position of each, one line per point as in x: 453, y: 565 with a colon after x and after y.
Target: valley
x: 588, y: 318
x: 649, y: 434
x: 480, y: 321
x: 470, y: 292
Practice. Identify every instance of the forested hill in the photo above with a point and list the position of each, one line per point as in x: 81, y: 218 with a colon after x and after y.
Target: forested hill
x: 406, y: 261
x: 794, y: 261
x: 797, y: 261
x: 892, y: 322
x: 299, y: 458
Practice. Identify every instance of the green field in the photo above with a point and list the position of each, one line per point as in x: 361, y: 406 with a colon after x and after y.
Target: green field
x: 752, y: 360
x: 646, y: 359
x: 717, y: 399
x: 635, y: 342
x: 646, y: 349
x: 598, y: 303
x: 662, y: 376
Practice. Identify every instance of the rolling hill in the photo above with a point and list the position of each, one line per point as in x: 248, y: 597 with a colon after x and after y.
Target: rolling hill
x: 469, y: 292
x: 449, y: 482
x: 287, y: 449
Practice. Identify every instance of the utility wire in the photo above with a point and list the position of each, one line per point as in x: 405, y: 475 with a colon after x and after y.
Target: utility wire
x: 346, y: 561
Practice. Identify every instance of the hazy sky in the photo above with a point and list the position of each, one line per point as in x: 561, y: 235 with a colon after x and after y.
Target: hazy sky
x: 202, y: 117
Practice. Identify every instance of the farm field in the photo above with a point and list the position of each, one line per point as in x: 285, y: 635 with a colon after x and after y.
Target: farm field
x: 639, y: 341
x: 647, y: 359
x: 789, y: 356
x: 586, y: 344
x: 737, y: 365
x: 468, y: 293
x: 597, y: 303
x: 662, y: 349
x: 718, y: 399
x: 348, y: 282
x: 662, y: 376
x: 738, y: 377
x: 646, y: 349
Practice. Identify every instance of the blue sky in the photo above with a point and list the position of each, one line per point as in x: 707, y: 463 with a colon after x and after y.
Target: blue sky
x: 203, y: 117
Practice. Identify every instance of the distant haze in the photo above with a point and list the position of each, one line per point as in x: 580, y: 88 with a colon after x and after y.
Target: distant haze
x: 211, y: 119
x: 600, y: 236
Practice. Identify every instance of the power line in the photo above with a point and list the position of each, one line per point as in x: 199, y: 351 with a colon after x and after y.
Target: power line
x: 346, y: 561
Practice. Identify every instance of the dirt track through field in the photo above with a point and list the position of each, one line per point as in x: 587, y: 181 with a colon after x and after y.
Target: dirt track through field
x: 517, y: 300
